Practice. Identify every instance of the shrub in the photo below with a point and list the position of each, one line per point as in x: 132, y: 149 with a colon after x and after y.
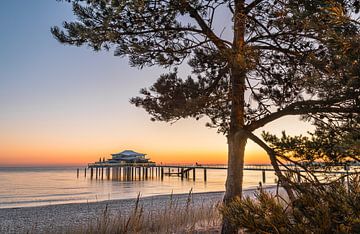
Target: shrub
x: 317, y: 208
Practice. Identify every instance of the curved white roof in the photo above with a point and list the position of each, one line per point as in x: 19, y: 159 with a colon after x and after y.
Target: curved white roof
x: 129, y: 153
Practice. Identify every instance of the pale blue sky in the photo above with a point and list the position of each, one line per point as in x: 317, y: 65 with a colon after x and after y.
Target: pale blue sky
x: 60, y: 103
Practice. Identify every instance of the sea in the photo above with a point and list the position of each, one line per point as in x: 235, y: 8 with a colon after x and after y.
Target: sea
x: 39, y: 186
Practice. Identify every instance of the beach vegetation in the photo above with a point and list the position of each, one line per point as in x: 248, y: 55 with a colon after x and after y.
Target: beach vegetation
x: 175, y: 217
x: 317, y: 208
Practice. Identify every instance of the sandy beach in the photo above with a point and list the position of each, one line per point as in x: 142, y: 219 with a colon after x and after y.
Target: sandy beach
x: 43, y: 219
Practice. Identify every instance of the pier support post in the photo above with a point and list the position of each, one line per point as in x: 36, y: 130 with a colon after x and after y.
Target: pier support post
x: 129, y: 173
x: 96, y: 171
x: 205, y: 175
x: 85, y: 172
x: 263, y: 177
x: 126, y: 173
x: 194, y: 174
x: 162, y: 173
x: 91, y: 172
x: 182, y: 173
x: 102, y: 173
x: 77, y: 173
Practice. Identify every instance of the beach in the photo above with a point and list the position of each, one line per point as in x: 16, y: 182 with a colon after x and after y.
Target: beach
x: 43, y: 219
x: 54, y: 218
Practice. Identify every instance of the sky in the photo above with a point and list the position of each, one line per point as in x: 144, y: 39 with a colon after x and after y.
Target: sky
x: 63, y: 105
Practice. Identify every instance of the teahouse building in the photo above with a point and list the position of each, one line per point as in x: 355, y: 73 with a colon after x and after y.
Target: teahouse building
x: 129, y: 156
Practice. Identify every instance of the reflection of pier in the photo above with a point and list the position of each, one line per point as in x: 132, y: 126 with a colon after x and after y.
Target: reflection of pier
x: 145, y: 171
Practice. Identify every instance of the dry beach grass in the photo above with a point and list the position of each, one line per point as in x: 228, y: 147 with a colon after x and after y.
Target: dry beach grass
x: 175, y: 217
x: 157, y: 214
x: 178, y: 213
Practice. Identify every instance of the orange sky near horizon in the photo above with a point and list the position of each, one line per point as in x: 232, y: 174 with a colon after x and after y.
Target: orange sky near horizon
x: 187, y: 141
x: 38, y: 158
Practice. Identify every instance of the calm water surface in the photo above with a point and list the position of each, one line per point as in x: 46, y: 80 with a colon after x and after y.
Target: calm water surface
x: 20, y: 187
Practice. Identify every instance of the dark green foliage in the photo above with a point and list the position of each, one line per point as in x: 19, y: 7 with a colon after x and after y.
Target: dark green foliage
x: 301, y: 57
x: 332, y: 208
x: 331, y: 142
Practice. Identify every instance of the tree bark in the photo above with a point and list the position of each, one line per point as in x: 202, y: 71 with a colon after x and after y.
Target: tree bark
x: 234, y: 180
x: 236, y: 138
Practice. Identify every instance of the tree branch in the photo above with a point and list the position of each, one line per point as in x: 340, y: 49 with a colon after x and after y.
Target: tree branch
x: 273, y: 160
x: 303, y: 107
x: 249, y: 7
x: 219, y: 43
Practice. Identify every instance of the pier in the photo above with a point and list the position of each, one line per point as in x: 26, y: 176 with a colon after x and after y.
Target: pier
x: 145, y: 171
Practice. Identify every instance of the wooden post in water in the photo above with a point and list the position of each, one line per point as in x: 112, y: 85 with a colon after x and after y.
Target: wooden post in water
x: 182, y: 173
x: 91, y: 172
x: 194, y: 174
x: 162, y: 173
x: 85, y: 172
x: 128, y: 174
x: 263, y: 177
x: 96, y: 171
x: 205, y: 175
x: 113, y: 175
x: 77, y: 173
x: 125, y: 174
x: 102, y: 173
x: 146, y: 172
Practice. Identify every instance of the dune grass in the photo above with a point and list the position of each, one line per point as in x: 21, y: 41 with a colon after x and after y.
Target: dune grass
x: 175, y: 217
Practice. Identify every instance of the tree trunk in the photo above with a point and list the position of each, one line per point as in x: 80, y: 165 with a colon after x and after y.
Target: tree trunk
x: 235, y: 174
x: 236, y: 153
x: 236, y: 137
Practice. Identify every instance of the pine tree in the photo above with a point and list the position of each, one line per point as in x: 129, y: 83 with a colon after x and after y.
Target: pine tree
x: 282, y: 58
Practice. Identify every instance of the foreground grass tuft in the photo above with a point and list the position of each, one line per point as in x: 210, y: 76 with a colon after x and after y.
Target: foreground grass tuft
x: 173, y: 218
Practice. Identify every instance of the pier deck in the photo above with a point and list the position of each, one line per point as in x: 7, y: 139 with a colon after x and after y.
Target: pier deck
x: 141, y: 171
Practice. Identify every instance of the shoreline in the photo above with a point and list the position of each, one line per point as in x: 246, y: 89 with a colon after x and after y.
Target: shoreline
x: 43, y: 219
x: 132, y: 198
